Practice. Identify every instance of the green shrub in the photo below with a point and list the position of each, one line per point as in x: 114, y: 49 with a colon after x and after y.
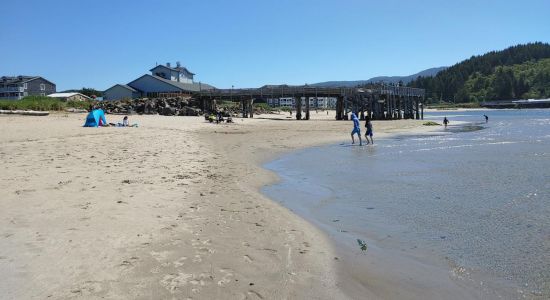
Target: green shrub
x: 228, y: 105
x: 41, y: 103
x: 431, y: 123
x: 80, y: 104
x: 263, y: 106
x: 285, y: 108
x: 451, y: 106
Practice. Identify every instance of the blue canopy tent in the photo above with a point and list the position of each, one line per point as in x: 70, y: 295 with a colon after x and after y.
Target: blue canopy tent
x: 95, y: 118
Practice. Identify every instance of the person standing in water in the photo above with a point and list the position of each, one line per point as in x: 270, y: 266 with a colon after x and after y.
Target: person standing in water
x: 356, y: 129
x: 368, y: 126
x: 445, y: 121
x: 486, y: 118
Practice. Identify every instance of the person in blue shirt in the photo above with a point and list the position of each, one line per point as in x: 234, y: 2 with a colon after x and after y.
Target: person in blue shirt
x: 356, y: 129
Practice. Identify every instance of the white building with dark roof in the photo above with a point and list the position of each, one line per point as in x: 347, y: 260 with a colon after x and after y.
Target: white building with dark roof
x: 163, y: 79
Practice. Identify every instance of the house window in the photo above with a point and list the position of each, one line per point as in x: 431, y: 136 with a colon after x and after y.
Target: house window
x: 42, y: 87
x: 25, y: 85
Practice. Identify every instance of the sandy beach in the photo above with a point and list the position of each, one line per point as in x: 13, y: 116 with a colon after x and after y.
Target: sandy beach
x: 169, y: 210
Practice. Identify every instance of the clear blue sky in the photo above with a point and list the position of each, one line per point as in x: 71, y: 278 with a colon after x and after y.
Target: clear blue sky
x: 98, y: 43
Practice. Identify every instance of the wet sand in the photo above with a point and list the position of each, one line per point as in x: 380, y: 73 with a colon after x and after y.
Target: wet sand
x: 171, y: 209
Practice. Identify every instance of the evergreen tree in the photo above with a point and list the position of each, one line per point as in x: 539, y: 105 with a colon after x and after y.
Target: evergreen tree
x: 493, y: 76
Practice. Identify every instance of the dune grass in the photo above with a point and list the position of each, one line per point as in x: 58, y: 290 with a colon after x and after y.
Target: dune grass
x: 453, y: 106
x: 42, y: 103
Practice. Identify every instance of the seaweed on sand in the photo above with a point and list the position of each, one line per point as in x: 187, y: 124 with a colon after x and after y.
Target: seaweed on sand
x: 362, y: 244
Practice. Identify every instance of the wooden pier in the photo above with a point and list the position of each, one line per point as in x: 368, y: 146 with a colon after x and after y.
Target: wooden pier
x: 378, y: 101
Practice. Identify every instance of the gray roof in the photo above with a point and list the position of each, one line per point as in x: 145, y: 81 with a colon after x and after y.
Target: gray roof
x: 124, y: 86
x: 188, y: 87
x: 128, y: 87
x: 17, y: 79
x: 191, y: 87
x: 177, y: 69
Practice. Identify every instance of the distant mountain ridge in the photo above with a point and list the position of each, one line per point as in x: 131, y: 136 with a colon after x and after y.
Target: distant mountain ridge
x: 385, y: 79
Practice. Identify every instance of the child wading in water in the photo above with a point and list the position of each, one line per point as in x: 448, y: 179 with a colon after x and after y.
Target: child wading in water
x: 368, y: 126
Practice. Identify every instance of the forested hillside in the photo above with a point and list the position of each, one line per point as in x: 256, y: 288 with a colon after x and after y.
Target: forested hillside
x: 518, y: 72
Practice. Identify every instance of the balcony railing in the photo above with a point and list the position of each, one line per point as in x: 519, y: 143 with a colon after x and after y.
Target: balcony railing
x: 12, y: 89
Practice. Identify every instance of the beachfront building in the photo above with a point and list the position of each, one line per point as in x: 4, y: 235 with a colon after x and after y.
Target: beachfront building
x: 164, y: 80
x: 314, y: 102
x: 18, y: 87
x: 70, y: 96
x: 120, y: 92
x: 179, y: 73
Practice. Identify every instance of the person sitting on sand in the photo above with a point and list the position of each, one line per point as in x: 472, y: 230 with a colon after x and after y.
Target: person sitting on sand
x: 356, y: 129
x: 219, y: 118
x: 125, y: 123
x: 368, y: 126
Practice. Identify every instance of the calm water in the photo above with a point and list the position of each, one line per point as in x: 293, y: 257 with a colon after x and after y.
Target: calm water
x: 477, y: 194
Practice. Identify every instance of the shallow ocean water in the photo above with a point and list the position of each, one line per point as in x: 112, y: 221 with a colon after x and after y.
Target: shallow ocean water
x: 478, y: 194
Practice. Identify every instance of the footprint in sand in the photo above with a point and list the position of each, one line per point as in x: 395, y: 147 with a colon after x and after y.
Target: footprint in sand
x: 197, y: 259
x: 87, y: 288
x: 178, y: 263
x: 254, y: 293
x: 226, y: 278
x: 161, y: 255
x: 205, y: 250
x: 173, y: 282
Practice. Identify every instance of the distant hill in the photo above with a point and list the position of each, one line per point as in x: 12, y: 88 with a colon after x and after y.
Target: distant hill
x: 386, y: 79
x: 518, y: 72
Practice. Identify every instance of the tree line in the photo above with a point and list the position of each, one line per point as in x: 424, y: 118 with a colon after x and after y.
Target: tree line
x: 518, y: 72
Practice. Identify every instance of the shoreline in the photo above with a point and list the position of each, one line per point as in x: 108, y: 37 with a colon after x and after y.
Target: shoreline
x: 386, y: 284
x: 389, y: 269
x: 170, y: 209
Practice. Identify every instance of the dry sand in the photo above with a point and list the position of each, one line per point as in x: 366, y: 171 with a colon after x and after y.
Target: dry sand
x: 170, y: 209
